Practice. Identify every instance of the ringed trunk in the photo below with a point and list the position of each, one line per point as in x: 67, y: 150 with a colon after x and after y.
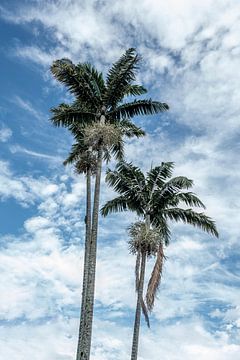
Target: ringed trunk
x: 86, y: 261
x: 89, y: 304
x: 137, y: 321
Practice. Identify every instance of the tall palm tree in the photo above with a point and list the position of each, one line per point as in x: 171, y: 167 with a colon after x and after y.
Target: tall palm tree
x: 83, y: 156
x: 99, y: 104
x: 155, y: 198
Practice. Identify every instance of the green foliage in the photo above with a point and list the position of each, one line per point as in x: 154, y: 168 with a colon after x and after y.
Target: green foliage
x: 156, y: 196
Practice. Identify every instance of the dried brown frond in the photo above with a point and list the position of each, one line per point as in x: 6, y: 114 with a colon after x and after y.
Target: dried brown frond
x: 145, y: 312
x: 104, y: 134
x: 155, y: 279
x: 137, y: 267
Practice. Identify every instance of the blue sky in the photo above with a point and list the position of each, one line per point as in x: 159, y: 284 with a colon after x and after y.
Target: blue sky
x: 191, y: 61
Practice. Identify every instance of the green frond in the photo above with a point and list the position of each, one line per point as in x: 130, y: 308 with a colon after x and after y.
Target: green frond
x: 130, y: 130
x: 189, y: 198
x: 138, y: 107
x: 116, y: 205
x: 191, y: 217
x: 65, y: 115
x: 117, y: 150
x: 161, y: 224
x: 175, y: 184
x: 74, y: 154
x: 127, y: 179
x: 135, y: 90
x: 156, y: 177
x: 96, y: 80
x: 120, y: 76
x: 79, y: 81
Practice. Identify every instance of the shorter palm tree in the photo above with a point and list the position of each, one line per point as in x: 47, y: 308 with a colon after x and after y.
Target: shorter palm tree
x: 155, y: 198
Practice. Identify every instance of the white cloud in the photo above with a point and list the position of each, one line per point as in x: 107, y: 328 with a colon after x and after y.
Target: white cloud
x: 5, y: 134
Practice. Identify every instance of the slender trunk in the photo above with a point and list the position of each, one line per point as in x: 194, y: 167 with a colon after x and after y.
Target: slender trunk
x: 86, y: 260
x: 87, y: 326
x: 137, y: 322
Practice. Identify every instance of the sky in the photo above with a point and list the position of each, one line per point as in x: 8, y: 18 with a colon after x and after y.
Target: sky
x: 190, y: 59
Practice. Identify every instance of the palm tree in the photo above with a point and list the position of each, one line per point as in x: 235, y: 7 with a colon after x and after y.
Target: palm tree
x: 155, y: 198
x: 83, y: 156
x: 98, y: 105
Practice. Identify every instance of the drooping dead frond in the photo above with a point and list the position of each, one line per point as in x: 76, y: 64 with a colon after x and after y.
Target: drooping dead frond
x: 104, y: 134
x: 137, y: 267
x: 155, y: 279
x: 145, y: 312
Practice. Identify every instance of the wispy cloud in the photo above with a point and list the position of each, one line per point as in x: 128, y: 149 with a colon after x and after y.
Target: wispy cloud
x: 27, y: 106
x: 19, y: 149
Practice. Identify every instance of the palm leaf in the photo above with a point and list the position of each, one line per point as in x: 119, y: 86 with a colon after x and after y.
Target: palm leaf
x: 74, y: 154
x: 191, y: 217
x: 78, y: 79
x: 189, y: 198
x: 66, y: 115
x: 115, y: 205
x: 95, y: 79
x: 117, y: 150
x: 156, y: 177
x: 155, y: 279
x: 120, y: 76
x: 135, y: 90
x: 138, y: 107
x: 130, y: 130
x: 145, y: 312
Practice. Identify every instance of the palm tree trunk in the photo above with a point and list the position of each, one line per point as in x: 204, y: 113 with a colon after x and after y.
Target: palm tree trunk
x: 138, y: 309
x: 89, y: 304
x: 86, y: 260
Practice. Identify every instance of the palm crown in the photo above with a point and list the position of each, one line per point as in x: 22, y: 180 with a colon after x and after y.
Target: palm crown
x: 95, y: 97
x: 156, y: 196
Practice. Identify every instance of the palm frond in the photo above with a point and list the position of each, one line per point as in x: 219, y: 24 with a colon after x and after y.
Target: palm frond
x: 78, y: 79
x: 130, y: 130
x: 66, y: 115
x: 171, y: 187
x: 135, y: 90
x: 191, y: 217
x: 74, y: 154
x: 117, y: 150
x: 156, y: 177
x: 120, y: 76
x: 116, y: 205
x: 128, y: 179
x: 145, y: 312
x: 189, y: 198
x: 155, y: 279
x: 138, y: 107
x: 95, y: 79
x: 161, y: 224
x: 125, y: 177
